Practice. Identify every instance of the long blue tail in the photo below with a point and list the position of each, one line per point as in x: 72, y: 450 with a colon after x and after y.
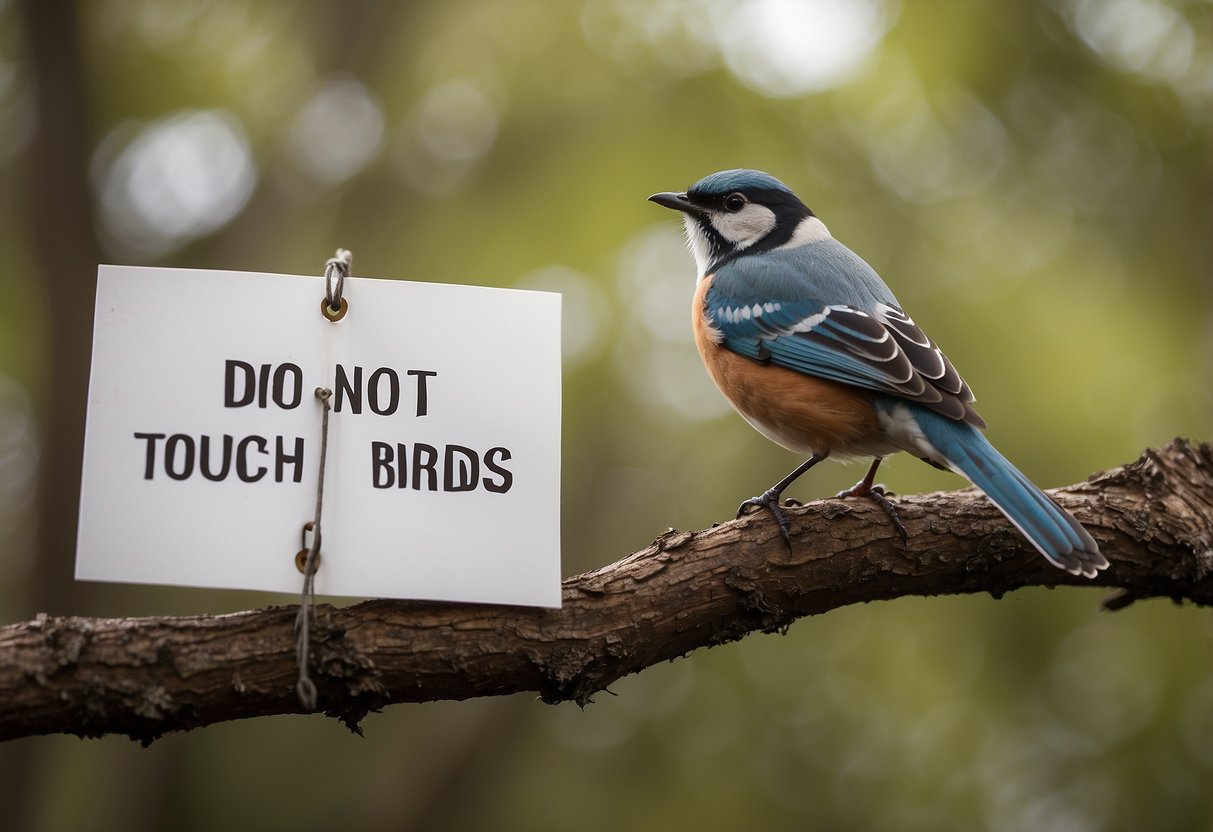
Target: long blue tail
x: 1049, y: 527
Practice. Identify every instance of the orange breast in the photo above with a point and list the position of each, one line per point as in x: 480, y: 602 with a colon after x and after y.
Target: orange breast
x: 798, y: 411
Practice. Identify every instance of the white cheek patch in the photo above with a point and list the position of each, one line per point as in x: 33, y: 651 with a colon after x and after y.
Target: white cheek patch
x: 746, y: 227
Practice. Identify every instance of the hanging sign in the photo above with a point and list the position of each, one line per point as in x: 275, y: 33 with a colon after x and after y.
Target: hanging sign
x: 202, y: 445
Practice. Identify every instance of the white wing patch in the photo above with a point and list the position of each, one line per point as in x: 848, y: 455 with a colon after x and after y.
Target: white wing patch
x: 733, y: 315
x: 736, y: 314
x: 805, y: 324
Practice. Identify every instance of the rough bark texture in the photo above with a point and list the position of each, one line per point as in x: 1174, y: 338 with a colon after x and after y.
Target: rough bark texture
x: 143, y: 677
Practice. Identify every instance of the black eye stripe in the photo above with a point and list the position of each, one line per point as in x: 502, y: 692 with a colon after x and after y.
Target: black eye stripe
x: 734, y: 202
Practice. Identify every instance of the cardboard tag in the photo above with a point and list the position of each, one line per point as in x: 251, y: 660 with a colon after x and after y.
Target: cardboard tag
x: 203, y: 436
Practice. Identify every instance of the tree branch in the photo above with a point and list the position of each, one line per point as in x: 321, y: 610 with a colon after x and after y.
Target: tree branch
x: 143, y: 677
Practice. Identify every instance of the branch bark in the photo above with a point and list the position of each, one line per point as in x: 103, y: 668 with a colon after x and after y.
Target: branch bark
x: 143, y: 677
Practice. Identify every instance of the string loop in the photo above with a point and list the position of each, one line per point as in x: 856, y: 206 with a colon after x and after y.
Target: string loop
x: 336, y: 270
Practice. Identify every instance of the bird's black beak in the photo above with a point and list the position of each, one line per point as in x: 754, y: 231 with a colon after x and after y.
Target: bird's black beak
x: 678, y: 202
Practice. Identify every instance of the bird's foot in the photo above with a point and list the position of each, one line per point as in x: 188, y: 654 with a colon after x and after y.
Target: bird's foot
x: 769, y: 500
x: 877, y: 494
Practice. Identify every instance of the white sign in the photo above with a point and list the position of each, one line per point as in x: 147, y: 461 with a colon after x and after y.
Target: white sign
x: 203, y: 437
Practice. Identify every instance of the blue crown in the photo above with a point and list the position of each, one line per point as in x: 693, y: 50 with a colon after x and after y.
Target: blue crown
x: 740, y: 179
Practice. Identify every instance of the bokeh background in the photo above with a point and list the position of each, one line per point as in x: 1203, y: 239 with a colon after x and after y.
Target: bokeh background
x: 1034, y: 179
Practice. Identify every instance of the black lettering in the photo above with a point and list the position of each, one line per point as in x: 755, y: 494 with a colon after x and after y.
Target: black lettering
x: 423, y: 399
x: 393, y: 391
x: 344, y: 389
x: 431, y: 454
x: 263, y: 385
x: 149, y: 466
x: 490, y: 462
x: 204, y: 454
x: 242, y: 463
x: 229, y: 383
x: 170, y: 454
x: 468, y: 464
x: 402, y: 454
x: 280, y: 385
x: 382, y: 474
x: 282, y: 459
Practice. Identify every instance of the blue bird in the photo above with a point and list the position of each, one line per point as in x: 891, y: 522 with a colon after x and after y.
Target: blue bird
x: 812, y: 349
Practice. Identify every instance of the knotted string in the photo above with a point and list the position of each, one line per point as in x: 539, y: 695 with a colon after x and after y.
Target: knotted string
x: 336, y: 270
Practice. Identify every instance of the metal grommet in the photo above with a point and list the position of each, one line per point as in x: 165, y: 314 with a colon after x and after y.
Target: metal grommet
x: 327, y: 311
x: 301, y: 561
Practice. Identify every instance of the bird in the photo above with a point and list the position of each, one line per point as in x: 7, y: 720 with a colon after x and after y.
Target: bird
x: 812, y: 349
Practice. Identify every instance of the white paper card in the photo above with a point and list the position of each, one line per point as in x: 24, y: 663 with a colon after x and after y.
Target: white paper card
x: 203, y: 436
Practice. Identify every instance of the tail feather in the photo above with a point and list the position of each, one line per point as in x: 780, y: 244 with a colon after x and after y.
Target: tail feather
x: 1049, y: 527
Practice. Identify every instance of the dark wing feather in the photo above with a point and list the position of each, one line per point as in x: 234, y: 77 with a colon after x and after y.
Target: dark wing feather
x: 883, y: 351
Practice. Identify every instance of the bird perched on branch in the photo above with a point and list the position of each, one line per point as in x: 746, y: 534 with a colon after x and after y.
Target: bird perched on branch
x: 812, y: 349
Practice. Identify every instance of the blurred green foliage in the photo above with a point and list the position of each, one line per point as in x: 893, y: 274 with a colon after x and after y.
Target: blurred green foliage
x: 1034, y: 181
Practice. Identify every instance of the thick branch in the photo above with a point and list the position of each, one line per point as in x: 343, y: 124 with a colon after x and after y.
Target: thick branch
x: 143, y: 677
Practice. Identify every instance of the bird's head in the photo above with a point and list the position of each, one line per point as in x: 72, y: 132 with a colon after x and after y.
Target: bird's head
x: 737, y: 212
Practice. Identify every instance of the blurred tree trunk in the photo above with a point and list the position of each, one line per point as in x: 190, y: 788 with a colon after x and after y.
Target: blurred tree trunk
x: 64, y: 245
x: 61, y: 219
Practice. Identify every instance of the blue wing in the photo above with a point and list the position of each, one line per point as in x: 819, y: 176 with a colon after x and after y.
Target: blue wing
x: 832, y: 317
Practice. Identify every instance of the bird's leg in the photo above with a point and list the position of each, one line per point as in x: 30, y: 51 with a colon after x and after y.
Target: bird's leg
x: 876, y: 493
x: 769, y: 499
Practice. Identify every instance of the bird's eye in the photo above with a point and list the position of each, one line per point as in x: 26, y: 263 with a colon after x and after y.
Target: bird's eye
x: 734, y: 202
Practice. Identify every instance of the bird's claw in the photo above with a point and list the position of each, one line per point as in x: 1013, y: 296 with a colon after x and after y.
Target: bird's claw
x: 770, y: 501
x: 877, y: 494
x: 860, y: 489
